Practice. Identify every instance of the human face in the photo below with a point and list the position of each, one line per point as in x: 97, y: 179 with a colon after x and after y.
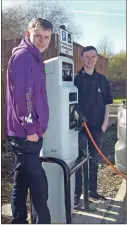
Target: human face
x: 90, y: 58
x: 40, y: 38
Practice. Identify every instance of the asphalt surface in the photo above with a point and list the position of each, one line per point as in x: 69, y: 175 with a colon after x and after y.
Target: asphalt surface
x: 124, y: 216
x: 124, y: 219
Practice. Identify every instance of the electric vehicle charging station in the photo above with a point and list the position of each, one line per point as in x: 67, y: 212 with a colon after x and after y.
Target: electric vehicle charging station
x: 61, y: 139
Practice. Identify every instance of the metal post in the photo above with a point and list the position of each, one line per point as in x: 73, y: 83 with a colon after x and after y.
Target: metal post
x: 67, y: 191
x: 67, y: 187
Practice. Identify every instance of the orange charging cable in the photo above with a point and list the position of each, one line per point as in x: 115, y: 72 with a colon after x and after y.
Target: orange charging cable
x: 108, y: 162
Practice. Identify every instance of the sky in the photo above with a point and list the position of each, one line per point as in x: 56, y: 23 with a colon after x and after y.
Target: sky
x: 96, y: 18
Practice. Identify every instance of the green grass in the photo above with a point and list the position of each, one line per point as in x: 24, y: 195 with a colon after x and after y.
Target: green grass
x: 119, y: 100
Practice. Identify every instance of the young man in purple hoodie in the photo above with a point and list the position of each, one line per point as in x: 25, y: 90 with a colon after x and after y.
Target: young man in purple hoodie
x: 27, y: 120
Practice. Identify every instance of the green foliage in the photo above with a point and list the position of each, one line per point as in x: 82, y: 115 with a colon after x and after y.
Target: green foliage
x: 117, y: 67
x: 117, y: 101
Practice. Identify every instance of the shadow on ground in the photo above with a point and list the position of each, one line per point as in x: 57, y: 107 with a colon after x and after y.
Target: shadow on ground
x: 100, y: 212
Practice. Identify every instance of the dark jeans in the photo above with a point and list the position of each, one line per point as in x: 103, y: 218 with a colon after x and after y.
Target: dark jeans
x: 84, y: 143
x: 29, y: 174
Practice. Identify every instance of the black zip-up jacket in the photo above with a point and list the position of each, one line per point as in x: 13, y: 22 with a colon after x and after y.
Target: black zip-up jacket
x: 94, y: 94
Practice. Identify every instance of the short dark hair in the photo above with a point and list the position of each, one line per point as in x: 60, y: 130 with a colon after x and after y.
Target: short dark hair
x: 37, y: 22
x: 88, y: 48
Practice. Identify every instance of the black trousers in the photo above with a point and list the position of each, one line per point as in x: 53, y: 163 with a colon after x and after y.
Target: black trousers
x: 84, y: 144
x: 29, y: 174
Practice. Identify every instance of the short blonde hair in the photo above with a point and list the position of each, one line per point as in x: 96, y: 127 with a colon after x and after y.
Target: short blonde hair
x: 35, y: 23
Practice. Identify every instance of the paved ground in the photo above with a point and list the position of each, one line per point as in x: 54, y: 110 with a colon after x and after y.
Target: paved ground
x: 124, y: 215
x: 124, y: 218
x: 111, y: 211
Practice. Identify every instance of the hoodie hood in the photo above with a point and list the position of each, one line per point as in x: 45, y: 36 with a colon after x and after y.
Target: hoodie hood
x: 25, y: 43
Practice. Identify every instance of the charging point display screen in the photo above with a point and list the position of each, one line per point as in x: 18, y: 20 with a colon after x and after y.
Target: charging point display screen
x: 67, y: 71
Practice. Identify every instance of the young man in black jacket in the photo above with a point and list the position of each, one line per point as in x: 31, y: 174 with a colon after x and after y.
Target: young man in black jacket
x: 94, y: 99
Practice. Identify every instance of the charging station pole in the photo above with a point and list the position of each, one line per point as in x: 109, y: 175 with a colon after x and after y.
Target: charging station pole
x: 60, y: 139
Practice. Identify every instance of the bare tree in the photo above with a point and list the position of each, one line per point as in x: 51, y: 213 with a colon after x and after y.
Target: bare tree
x: 105, y: 47
x: 15, y: 19
x: 12, y: 21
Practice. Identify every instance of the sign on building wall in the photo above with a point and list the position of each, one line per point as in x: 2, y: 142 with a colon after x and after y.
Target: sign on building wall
x: 66, y: 42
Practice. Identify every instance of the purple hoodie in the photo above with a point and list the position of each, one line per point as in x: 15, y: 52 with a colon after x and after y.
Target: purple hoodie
x: 27, y: 109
